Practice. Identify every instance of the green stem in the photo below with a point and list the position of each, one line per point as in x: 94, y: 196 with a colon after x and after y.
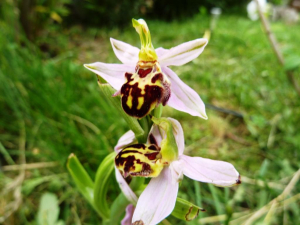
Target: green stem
x: 157, y: 111
x: 198, y: 194
x: 6, y: 155
x: 146, y: 124
x: 101, y: 185
x: 216, y: 199
x: 118, y: 209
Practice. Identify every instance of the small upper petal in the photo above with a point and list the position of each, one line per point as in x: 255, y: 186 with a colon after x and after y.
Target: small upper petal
x: 219, y: 173
x: 160, y: 134
x: 176, y: 168
x: 129, y: 194
x: 114, y: 74
x: 184, y: 98
x: 126, y: 139
x: 157, y: 201
x: 178, y: 133
x: 183, y: 53
x: 126, y: 53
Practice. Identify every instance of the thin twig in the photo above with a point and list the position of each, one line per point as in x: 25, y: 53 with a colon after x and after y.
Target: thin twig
x: 237, y: 139
x: 261, y: 183
x: 6, y: 155
x: 83, y: 121
x: 29, y: 166
x: 275, y: 47
x: 274, y: 123
x: 17, y: 183
x: 226, y: 111
x: 276, y: 200
x: 295, y: 198
x: 219, y: 218
x: 240, y: 216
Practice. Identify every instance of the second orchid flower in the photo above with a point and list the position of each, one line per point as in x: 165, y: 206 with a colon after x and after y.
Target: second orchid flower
x: 162, y: 159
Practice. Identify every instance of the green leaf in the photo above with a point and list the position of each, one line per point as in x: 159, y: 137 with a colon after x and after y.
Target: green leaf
x: 81, y: 178
x: 48, y: 210
x: 185, y: 210
x: 101, y: 185
x: 133, y: 124
x: 118, y: 209
x: 292, y: 62
x: 157, y: 111
x: 30, y: 184
x: 6, y: 155
x: 60, y: 222
x: 136, y: 183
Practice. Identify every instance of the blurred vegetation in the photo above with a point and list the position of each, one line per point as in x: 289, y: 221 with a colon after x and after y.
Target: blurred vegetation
x: 50, y: 106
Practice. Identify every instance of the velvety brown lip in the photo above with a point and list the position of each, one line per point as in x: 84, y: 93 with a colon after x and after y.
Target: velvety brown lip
x: 143, y: 91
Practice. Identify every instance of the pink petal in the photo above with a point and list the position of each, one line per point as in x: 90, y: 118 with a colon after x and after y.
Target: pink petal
x: 129, y: 194
x: 183, y: 53
x: 158, y: 199
x: 183, y: 98
x: 128, y: 215
x: 160, y: 51
x: 126, y: 53
x: 125, y: 140
x: 210, y: 171
x: 176, y: 168
x: 114, y: 74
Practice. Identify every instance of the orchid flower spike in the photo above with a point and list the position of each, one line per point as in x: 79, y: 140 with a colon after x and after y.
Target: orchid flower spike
x: 162, y: 159
x: 144, y: 80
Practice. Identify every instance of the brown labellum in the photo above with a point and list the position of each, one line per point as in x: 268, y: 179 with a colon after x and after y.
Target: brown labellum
x: 143, y: 91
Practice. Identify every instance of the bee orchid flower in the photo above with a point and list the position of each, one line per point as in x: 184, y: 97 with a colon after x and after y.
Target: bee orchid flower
x: 144, y: 80
x: 162, y: 159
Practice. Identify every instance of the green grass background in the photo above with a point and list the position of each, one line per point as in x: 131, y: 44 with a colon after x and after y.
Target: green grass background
x: 55, y: 106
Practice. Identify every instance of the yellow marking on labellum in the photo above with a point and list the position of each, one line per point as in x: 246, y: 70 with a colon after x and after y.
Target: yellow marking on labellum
x: 144, y: 90
x: 129, y: 101
x: 139, y: 160
x: 141, y: 102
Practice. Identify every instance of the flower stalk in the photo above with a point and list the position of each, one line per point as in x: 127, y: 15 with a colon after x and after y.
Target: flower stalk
x: 153, y: 148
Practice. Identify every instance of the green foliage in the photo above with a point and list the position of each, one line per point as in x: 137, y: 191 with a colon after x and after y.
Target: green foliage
x: 292, y: 63
x: 185, y: 210
x: 81, y: 178
x: 48, y: 210
x: 65, y: 112
x: 106, y: 12
x: 162, y: 9
x: 100, y: 191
